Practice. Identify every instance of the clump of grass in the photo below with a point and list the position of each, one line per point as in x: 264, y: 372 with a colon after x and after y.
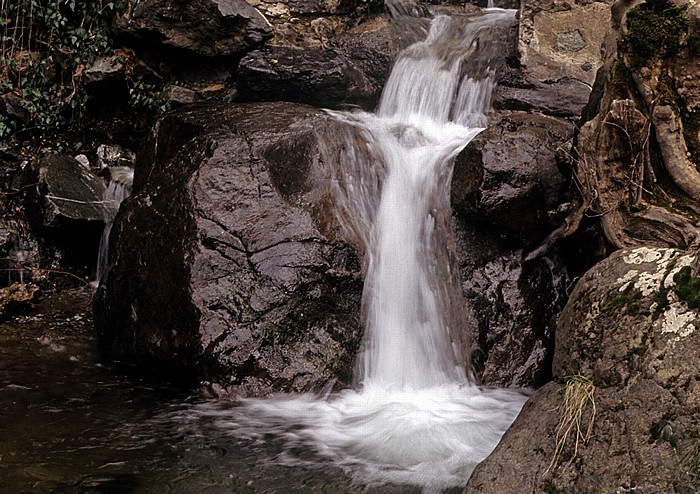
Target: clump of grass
x: 575, y: 419
x: 690, y: 463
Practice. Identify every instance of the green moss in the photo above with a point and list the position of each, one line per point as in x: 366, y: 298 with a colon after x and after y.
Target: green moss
x: 655, y: 30
x: 622, y: 81
x: 687, y: 287
x: 627, y: 299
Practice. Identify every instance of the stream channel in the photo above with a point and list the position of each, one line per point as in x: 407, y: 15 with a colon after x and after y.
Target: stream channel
x: 70, y: 423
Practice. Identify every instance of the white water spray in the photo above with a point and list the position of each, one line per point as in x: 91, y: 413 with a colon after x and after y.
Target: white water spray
x: 416, y: 418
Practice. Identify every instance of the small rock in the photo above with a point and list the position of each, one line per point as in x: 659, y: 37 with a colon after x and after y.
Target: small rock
x: 17, y: 298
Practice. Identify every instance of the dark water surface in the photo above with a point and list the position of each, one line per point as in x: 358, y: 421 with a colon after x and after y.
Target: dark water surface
x: 70, y: 423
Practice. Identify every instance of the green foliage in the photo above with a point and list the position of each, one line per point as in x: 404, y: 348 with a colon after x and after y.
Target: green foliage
x: 622, y: 81
x: 148, y: 98
x: 687, y: 287
x: 46, y: 47
x: 664, y: 430
x: 656, y: 28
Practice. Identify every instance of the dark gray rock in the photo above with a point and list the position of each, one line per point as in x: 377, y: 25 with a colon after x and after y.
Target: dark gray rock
x: 507, y: 191
x: 209, y: 28
x: 224, y: 263
x: 322, y: 6
x: 520, y: 184
x: 317, y: 76
x: 68, y: 191
x: 353, y: 73
x: 12, y: 104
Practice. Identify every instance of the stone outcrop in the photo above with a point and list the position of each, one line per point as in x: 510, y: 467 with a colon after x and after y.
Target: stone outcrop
x: 507, y: 185
x: 207, y: 28
x: 558, y: 56
x: 225, y: 265
x: 346, y: 70
x: 316, y: 76
x: 67, y: 191
x: 631, y: 329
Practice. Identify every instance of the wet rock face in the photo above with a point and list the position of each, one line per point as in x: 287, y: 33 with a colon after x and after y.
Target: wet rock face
x: 209, y: 28
x: 520, y: 185
x: 508, y: 193
x: 631, y: 328
x: 69, y: 191
x: 345, y: 70
x: 225, y: 264
x: 317, y: 76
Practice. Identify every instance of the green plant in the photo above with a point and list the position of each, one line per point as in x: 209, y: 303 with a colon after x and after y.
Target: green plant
x: 664, y: 430
x: 575, y: 421
x: 148, y: 98
x: 45, y: 49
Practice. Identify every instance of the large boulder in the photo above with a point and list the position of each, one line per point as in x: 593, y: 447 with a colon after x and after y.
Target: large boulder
x: 507, y: 193
x: 346, y: 70
x: 64, y: 205
x: 205, y: 28
x: 224, y: 263
x: 510, y: 191
x: 317, y: 76
x: 628, y: 338
x: 67, y: 191
x: 558, y: 56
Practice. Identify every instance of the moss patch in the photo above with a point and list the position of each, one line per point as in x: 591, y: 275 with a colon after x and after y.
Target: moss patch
x: 687, y: 287
x: 627, y: 299
x: 655, y: 30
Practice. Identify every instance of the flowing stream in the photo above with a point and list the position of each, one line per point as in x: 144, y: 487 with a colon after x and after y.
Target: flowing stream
x: 414, y: 422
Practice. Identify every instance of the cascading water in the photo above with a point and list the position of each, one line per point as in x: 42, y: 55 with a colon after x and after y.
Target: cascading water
x: 415, y: 417
x: 118, y: 189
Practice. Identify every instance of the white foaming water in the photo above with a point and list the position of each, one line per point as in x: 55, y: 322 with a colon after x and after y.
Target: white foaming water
x: 416, y: 418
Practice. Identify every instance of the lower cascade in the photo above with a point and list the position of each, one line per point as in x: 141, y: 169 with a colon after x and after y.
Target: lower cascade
x: 415, y: 416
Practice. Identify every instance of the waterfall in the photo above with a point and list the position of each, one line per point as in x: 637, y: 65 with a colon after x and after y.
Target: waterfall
x: 118, y: 189
x: 415, y: 417
x: 431, y: 107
